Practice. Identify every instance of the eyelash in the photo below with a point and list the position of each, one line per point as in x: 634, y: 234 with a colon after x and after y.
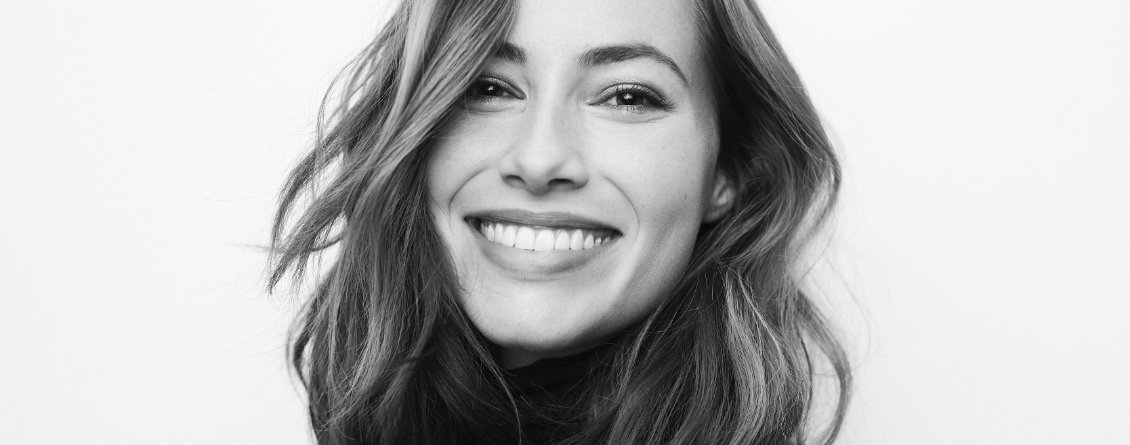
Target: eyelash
x: 472, y: 91
x: 655, y: 101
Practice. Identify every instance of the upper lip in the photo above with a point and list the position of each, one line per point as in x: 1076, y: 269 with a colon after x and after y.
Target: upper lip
x: 545, y: 219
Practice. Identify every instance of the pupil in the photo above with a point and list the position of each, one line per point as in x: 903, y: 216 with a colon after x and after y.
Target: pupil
x: 628, y: 99
x: 488, y: 90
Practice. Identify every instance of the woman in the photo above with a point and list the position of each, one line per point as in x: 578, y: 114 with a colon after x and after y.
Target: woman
x: 564, y: 222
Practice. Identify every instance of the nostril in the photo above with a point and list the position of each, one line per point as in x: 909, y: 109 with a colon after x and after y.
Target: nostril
x: 560, y: 182
x: 514, y: 180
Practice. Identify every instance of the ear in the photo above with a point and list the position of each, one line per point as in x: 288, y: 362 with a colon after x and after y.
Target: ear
x: 721, y: 199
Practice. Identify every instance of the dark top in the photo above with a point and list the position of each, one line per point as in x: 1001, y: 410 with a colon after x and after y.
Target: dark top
x: 548, y: 392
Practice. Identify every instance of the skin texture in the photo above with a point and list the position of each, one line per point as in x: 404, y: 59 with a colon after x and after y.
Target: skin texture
x: 552, y: 133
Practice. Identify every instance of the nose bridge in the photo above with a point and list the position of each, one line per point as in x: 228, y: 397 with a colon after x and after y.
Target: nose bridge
x: 547, y: 126
x: 546, y: 156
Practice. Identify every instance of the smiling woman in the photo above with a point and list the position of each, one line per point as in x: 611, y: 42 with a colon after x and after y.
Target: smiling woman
x: 564, y: 222
x: 587, y: 148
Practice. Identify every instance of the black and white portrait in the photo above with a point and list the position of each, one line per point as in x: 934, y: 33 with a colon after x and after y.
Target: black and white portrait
x: 565, y: 222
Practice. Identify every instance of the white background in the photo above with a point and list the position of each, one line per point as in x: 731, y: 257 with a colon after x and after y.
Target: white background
x: 982, y: 247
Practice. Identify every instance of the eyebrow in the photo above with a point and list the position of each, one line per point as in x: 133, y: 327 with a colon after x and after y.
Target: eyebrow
x: 602, y: 55
x: 605, y: 55
x: 510, y: 52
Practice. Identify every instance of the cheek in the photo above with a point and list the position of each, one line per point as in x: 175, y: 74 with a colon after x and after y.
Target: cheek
x: 665, y: 172
x: 453, y: 160
x: 447, y: 162
x: 465, y: 150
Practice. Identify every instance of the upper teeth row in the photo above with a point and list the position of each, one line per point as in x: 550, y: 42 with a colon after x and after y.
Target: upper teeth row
x: 528, y: 238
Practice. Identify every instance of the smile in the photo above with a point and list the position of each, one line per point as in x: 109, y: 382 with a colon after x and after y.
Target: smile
x: 542, y: 238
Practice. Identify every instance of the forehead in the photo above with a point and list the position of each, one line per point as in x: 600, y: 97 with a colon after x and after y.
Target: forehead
x: 564, y: 29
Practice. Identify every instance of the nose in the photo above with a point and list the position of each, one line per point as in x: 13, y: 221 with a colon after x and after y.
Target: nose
x: 544, y: 156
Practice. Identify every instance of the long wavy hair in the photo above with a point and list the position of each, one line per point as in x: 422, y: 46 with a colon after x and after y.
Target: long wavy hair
x: 732, y: 356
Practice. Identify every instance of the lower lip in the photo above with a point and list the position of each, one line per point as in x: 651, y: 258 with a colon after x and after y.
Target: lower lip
x: 539, y: 263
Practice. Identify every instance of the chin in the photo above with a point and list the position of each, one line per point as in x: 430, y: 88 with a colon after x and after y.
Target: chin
x: 538, y: 337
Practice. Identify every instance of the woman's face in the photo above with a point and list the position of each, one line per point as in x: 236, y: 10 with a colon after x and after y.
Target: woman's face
x: 571, y: 185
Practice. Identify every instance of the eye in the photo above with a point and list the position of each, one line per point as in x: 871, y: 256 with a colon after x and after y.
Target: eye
x: 486, y: 89
x: 489, y: 89
x: 630, y: 98
x: 488, y: 94
x: 634, y: 98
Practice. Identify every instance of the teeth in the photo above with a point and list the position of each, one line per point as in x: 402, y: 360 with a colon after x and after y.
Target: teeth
x: 542, y: 239
x: 525, y: 239
x: 562, y: 240
x: 508, y: 235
